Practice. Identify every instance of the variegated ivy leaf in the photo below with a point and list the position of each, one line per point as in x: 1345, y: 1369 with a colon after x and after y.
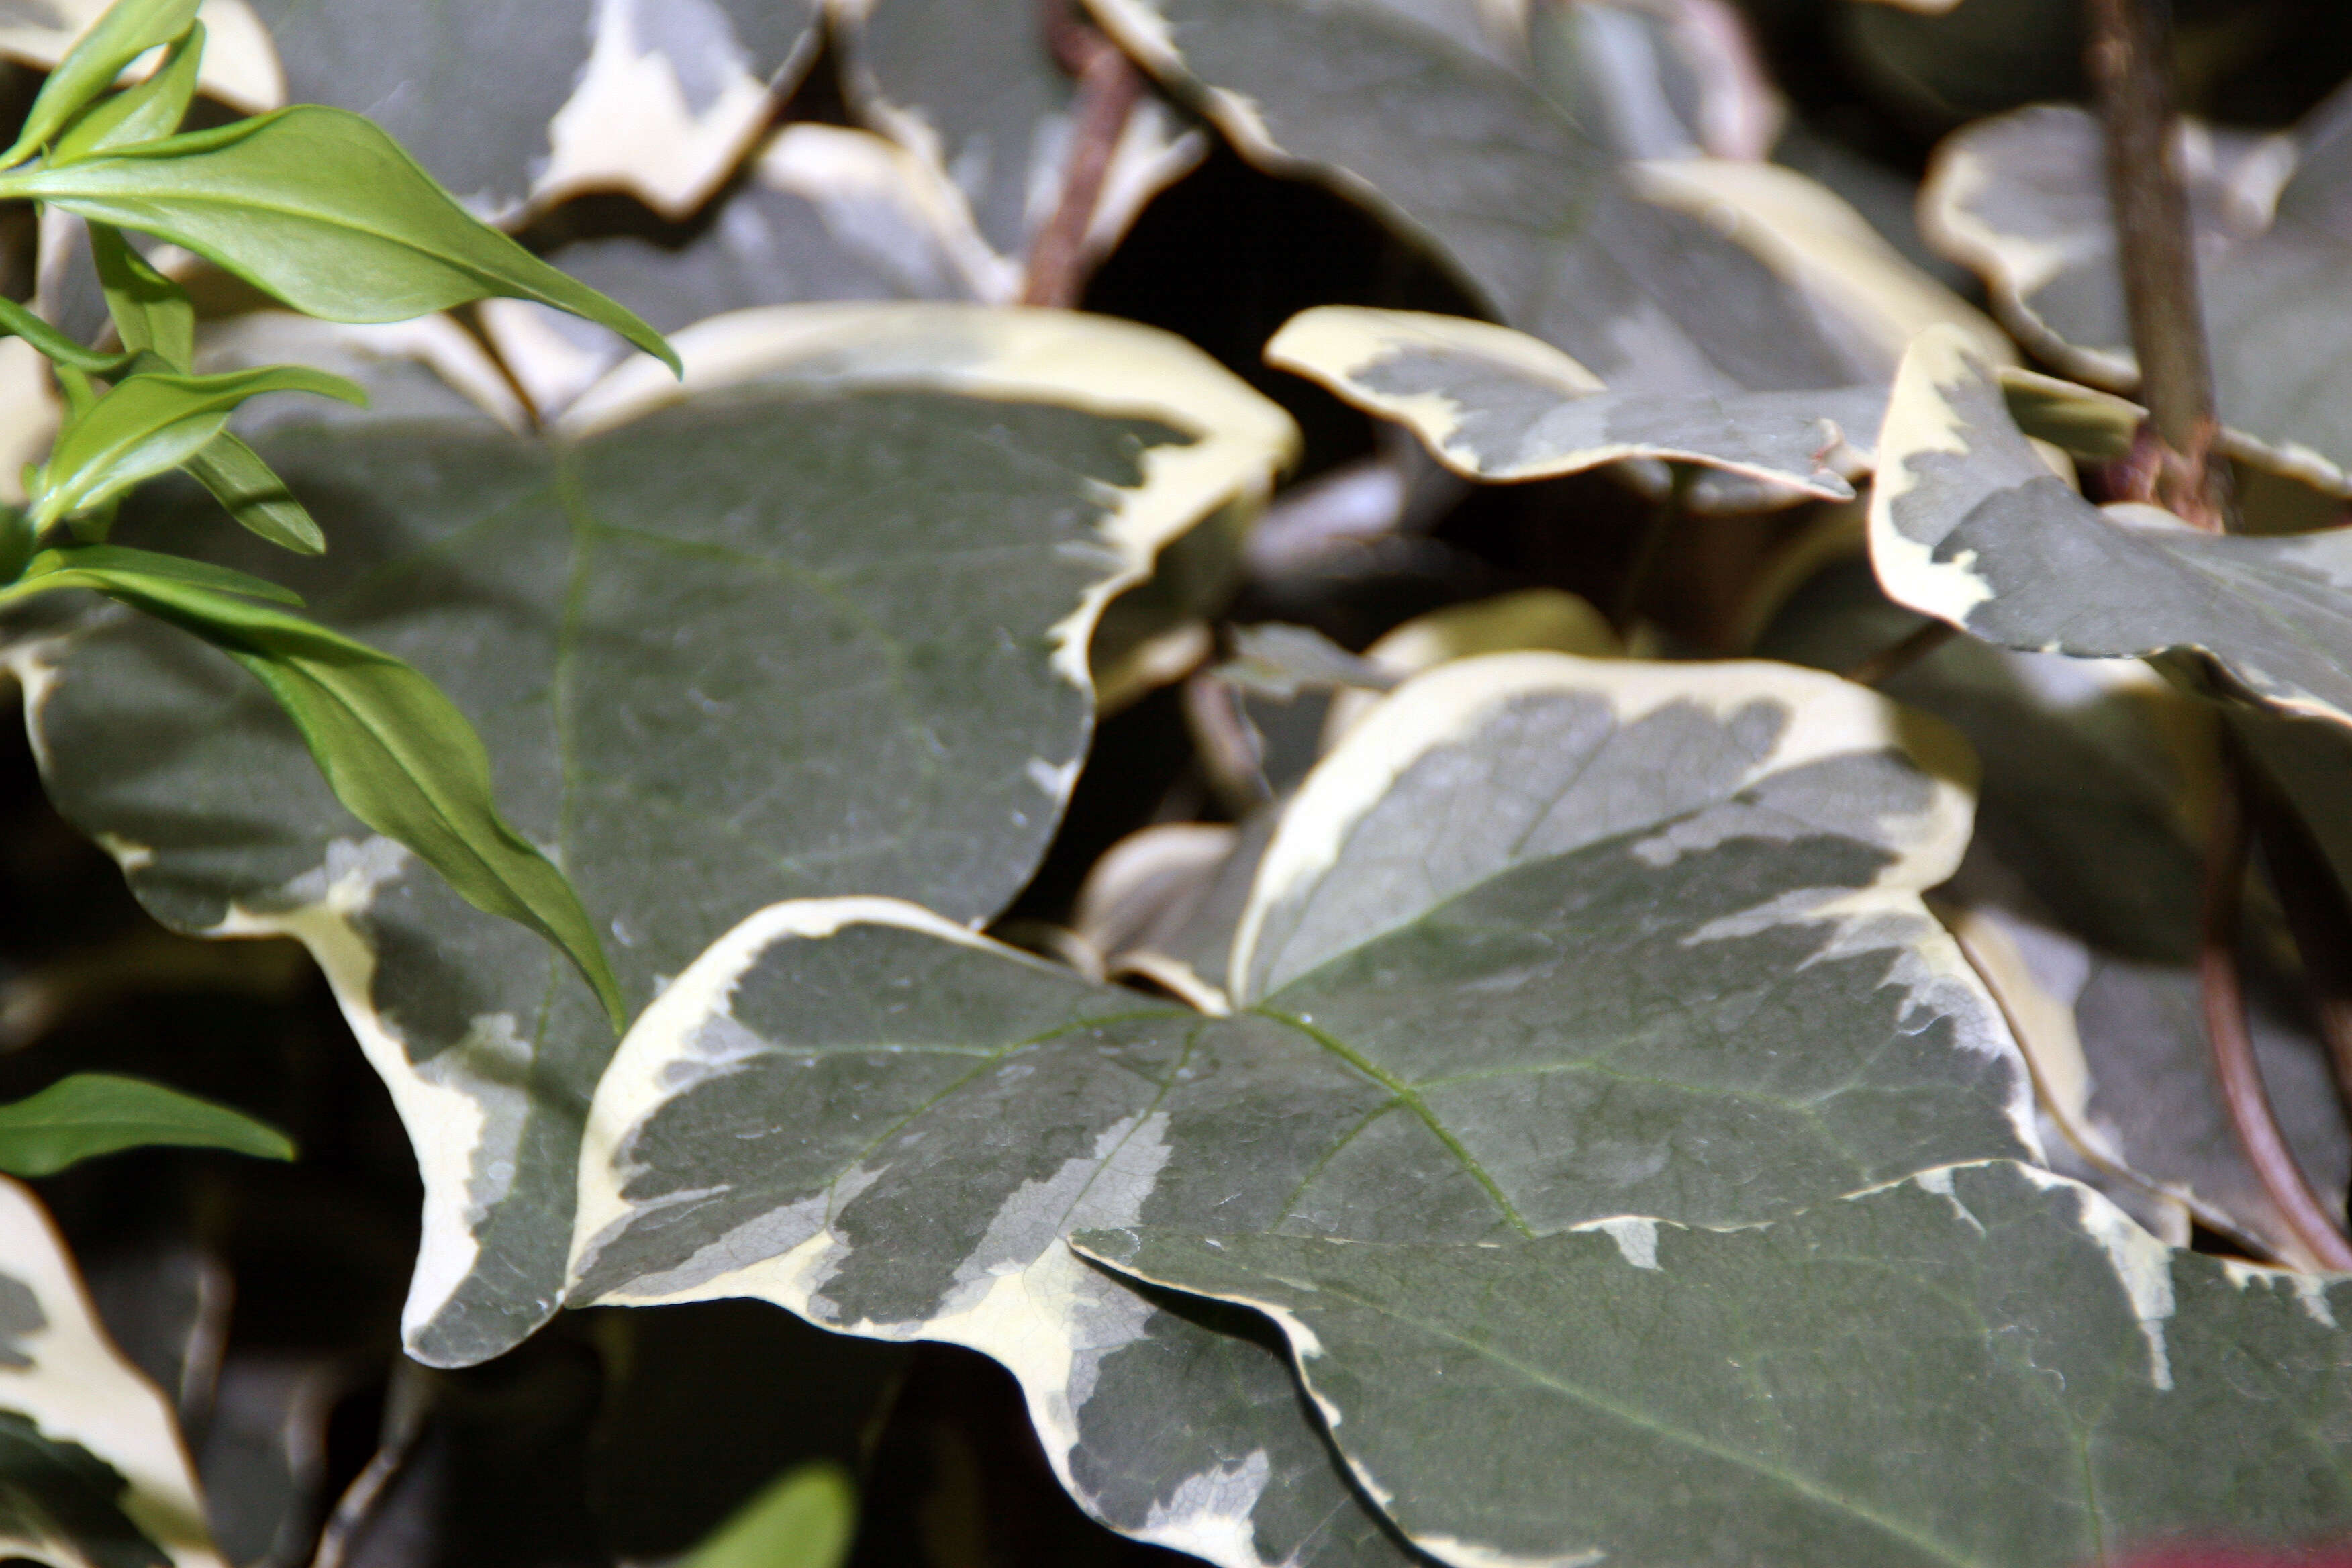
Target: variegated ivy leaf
x: 2022, y: 199
x: 822, y: 213
x: 2078, y: 901
x: 516, y: 102
x: 1496, y: 404
x: 1982, y: 1364
x: 1968, y: 525
x: 240, y: 68
x: 1675, y: 81
x: 92, y: 1469
x: 815, y: 622
x: 973, y: 90
x: 1539, y: 221
x: 1545, y: 940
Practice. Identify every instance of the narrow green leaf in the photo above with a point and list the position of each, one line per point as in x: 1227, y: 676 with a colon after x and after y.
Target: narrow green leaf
x: 397, y: 754
x: 15, y: 321
x: 323, y: 210
x: 120, y: 559
x: 154, y: 421
x: 806, y: 1518
x: 94, y: 1113
x: 255, y: 495
x: 147, y: 112
x: 151, y: 312
x: 128, y: 29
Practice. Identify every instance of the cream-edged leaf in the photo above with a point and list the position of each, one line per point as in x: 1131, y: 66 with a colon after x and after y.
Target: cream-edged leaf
x: 512, y: 104
x: 91, y: 1467
x: 700, y: 692
x: 1503, y: 1046
x: 1968, y: 524
x: 1496, y: 404
x: 1981, y: 1364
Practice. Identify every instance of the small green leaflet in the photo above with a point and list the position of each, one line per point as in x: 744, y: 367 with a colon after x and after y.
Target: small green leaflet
x: 255, y: 495
x: 16, y: 321
x: 323, y: 210
x: 150, y: 311
x: 147, y: 112
x: 395, y: 752
x: 94, y: 1113
x: 85, y: 563
x: 152, y: 422
x: 806, y: 1518
x: 125, y: 32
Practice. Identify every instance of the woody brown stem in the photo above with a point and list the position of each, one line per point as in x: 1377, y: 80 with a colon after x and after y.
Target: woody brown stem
x: 1109, y: 87
x: 2129, y: 62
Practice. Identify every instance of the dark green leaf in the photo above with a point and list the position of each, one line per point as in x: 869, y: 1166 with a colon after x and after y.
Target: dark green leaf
x: 92, y: 1113
x: 147, y: 112
x: 324, y: 211
x: 153, y: 421
x: 126, y: 31
x: 151, y: 312
x: 243, y: 482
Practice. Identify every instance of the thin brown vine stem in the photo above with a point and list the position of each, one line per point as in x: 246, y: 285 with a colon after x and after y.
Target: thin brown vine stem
x: 1109, y: 87
x: 2243, y: 1094
x: 1898, y: 657
x: 2319, y: 918
x: 2129, y: 63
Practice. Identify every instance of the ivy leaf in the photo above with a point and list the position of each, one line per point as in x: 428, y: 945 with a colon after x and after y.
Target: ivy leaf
x: 1460, y: 1012
x: 151, y: 312
x: 90, y: 1114
x: 696, y: 684
x: 1981, y: 1365
x: 242, y: 481
x: 152, y: 422
x: 1968, y: 525
x: 1550, y: 230
x: 146, y: 113
x: 2022, y: 199
x: 1496, y: 404
x: 92, y: 1466
x: 525, y: 103
x: 323, y: 210
x: 121, y: 35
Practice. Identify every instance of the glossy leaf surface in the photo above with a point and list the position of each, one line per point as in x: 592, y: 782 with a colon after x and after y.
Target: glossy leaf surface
x: 88, y: 1114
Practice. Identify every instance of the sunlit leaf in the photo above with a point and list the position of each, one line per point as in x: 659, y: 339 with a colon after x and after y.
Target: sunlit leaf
x: 146, y: 113
x: 806, y: 1519
x: 321, y: 209
x: 240, y: 480
x: 90, y: 1114
x: 151, y: 312
x: 123, y: 32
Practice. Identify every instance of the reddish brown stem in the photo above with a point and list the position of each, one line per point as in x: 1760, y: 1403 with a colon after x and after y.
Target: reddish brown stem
x: 2319, y: 917
x: 2249, y: 1103
x: 1109, y: 87
x: 1895, y: 657
x: 2129, y: 61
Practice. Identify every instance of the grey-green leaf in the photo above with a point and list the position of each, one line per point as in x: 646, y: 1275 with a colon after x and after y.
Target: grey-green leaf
x: 242, y: 481
x: 128, y: 29
x: 90, y: 1113
x: 152, y: 422
x: 91, y: 1467
x: 321, y: 209
x: 1462, y: 991
x: 1983, y: 1364
x: 1968, y: 524
x: 1496, y: 404
x: 146, y: 113
x: 699, y: 688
